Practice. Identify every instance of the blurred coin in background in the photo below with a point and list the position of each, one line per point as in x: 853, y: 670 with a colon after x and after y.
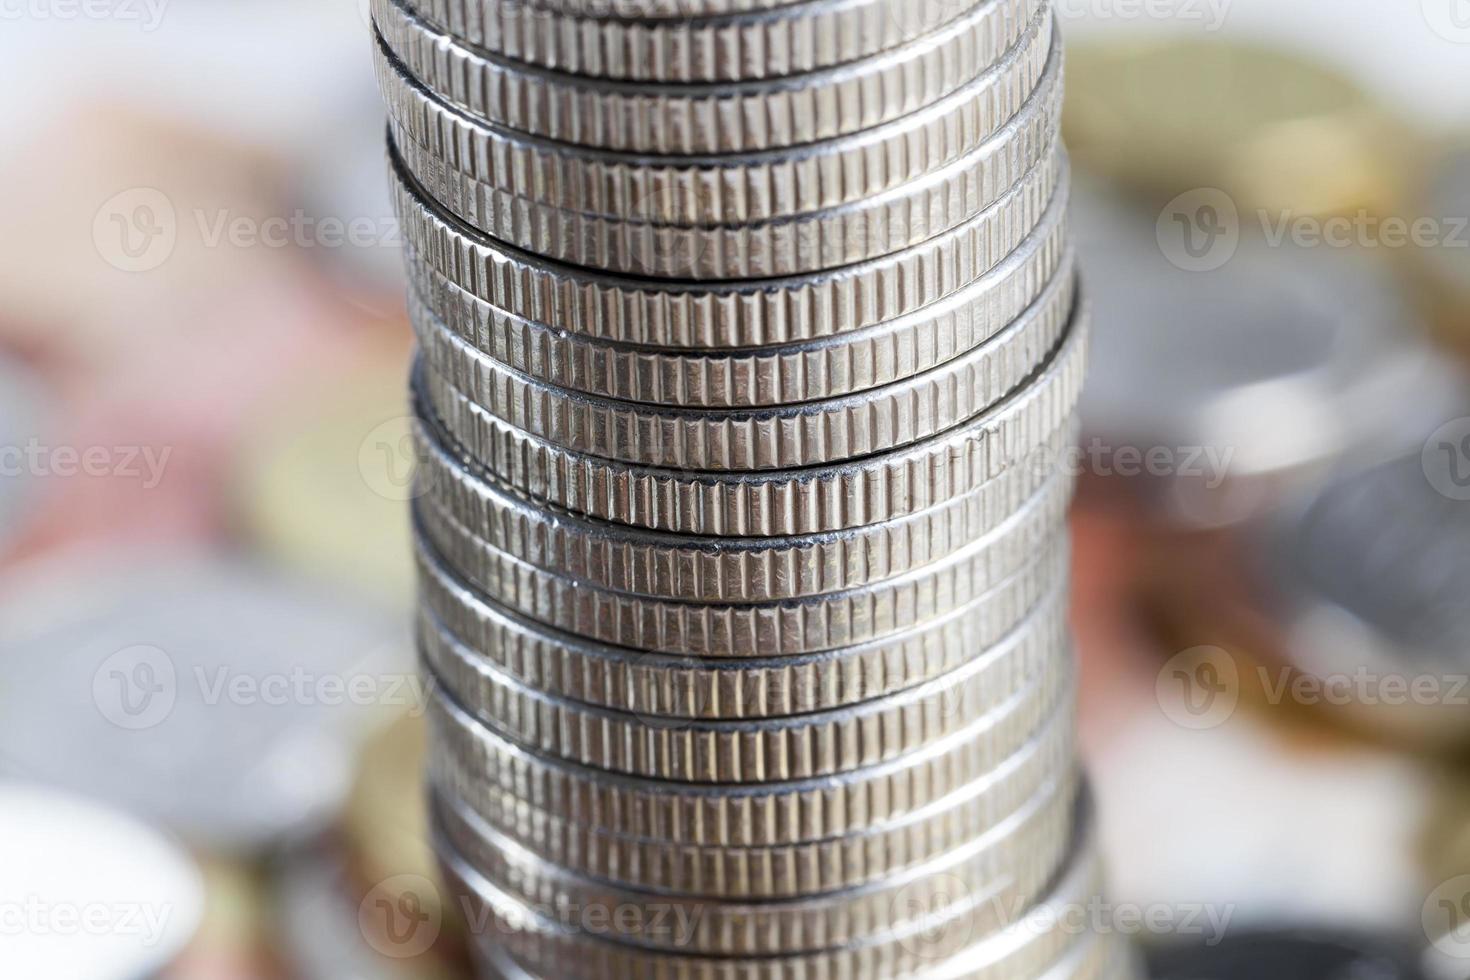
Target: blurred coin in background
x: 1443, y: 261
x: 22, y: 416
x: 218, y: 698
x: 1212, y: 393
x: 89, y: 893
x: 322, y: 484
x: 1290, y: 956
x: 319, y: 928
x: 1272, y: 129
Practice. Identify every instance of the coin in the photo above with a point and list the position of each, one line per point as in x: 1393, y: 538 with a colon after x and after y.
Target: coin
x: 739, y: 751
x: 722, y: 871
x: 1020, y: 948
x: 22, y: 411
x: 1287, y: 954
x: 1443, y: 262
x: 771, y: 438
x: 90, y: 892
x: 677, y: 687
x: 814, y: 500
x: 704, y: 119
x: 469, y: 761
x: 320, y: 484
x: 780, y: 628
x: 1245, y: 381
x: 780, y: 213
x: 468, y: 509
x: 689, y: 42
x: 1272, y: 129
x: 714, y: 315
x: 998, y: 868
x: 1359, y: 577
x: 811, y: 370
x: 217, y: 698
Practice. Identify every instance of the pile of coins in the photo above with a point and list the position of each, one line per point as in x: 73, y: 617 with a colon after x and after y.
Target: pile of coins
x: 750, y: 341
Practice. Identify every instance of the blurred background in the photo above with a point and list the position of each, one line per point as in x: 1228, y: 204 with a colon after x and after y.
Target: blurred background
x: 209, y: 713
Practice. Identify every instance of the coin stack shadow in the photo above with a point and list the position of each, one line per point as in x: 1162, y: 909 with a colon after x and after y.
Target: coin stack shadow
x: 750, y: 342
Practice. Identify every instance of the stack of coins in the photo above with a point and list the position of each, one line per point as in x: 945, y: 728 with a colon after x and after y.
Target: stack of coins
x: 750, y: 341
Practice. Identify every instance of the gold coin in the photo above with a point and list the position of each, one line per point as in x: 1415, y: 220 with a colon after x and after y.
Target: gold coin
x: 387, y: 822
x: 1273, y: 130
x: 325, y: 484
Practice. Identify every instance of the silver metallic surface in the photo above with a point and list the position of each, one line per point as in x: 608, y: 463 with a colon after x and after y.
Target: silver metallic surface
x: 689, y: 41
x: 821, y: 368
x: 778, y: 502
x: 692, y: 120
x: 714, y: 315
x: 750, y: 347
x: 774, y: 438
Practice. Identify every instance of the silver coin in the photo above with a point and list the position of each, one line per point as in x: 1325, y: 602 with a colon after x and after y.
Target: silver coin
x: 469, y: 762
x: 831, y: 204
x: 740, y: 751
x: 816, y: 500
x: 713, y: 315
x: 216, y: 698
x: 1365, y: 579
x: 778, y: 628
x: 134, y: 896
x: 1000, y: 867
x: 773, y: 438
x: 674, y: 687
x: 698, y: 43
x: 683, y: 567
x: 1269, y: 369
x: 1016, y: 949
x: 812, y: 370
x: 704, y: 119
x: 789, y: 871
